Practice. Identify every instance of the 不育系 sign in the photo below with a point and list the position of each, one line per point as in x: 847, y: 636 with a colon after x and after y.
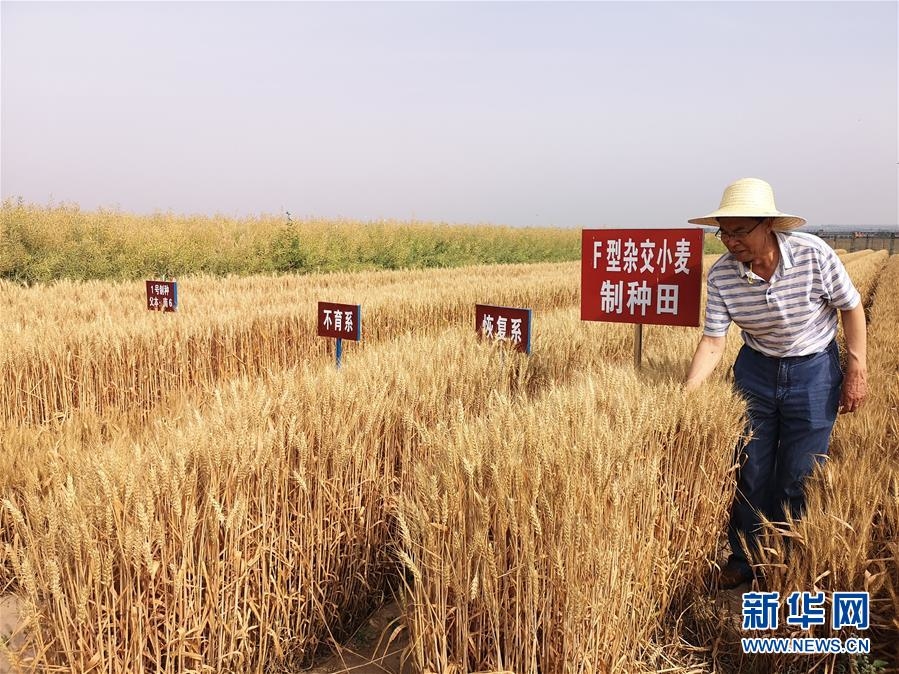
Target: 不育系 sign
x: 341, y: 321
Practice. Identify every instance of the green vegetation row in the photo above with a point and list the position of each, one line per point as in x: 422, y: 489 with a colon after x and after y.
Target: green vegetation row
x: 46, y: 243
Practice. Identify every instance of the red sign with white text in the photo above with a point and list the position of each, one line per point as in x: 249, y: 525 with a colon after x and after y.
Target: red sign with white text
x: 162, y: 295
x: 504, y: 324
x: 342, y: 321
x: 649, y: 276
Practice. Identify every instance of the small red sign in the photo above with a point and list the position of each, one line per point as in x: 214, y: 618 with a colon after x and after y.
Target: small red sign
x: 649, y: 276
x: 504, y: 324
x: 162, y: 295
x: 341, y: 321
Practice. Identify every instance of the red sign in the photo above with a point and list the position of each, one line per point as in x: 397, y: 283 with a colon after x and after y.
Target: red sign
x: 504, y: 324
x: 649, y: 276
x: 162, y: 295
x: 342, y: 321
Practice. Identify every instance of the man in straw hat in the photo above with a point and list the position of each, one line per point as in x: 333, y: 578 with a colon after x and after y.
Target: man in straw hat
x: 784, y: 289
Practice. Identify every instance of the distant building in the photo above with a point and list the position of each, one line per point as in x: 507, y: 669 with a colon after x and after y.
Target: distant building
x: 859, y: 238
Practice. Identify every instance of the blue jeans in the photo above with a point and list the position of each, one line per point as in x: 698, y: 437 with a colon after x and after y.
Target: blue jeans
x: 792, y: 408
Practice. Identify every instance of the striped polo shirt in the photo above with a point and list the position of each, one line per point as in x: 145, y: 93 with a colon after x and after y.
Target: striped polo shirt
x: 795, y: 314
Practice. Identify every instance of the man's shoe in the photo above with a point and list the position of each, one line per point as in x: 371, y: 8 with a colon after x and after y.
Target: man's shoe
x: 733, y: 575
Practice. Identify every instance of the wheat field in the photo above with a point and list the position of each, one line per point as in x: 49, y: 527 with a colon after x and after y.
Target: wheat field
x: 204, y: 492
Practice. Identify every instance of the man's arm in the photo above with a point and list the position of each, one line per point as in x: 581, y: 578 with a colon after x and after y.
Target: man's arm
x: 705, y: 359
x: 855, y: 379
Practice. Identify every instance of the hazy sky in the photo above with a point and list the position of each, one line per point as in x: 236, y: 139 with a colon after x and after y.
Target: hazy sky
x: 570, y: 114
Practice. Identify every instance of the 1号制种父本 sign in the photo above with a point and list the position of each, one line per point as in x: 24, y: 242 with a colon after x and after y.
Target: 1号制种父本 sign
x: 162, y: 295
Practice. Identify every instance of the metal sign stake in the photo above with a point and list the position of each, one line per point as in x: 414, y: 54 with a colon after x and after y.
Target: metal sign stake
x: 339, y: 351
x: 638, y: 345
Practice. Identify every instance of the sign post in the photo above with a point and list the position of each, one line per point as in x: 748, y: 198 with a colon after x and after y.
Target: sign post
x: 638, y: 345
x: 339, y: 321
x: 504, y: 324
x: 641, y: 276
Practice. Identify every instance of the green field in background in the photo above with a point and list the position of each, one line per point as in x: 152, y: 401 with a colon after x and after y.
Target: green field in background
x: 45, y: 243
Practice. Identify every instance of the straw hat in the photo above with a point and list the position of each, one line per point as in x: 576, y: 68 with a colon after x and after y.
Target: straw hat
x: 750, y: 198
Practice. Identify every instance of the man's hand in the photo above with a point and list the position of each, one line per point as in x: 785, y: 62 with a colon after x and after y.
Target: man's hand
x: 855, y: 389
x: 705, y: 359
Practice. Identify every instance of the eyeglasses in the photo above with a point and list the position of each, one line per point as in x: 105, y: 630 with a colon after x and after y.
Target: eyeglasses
x: 739, y: 234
